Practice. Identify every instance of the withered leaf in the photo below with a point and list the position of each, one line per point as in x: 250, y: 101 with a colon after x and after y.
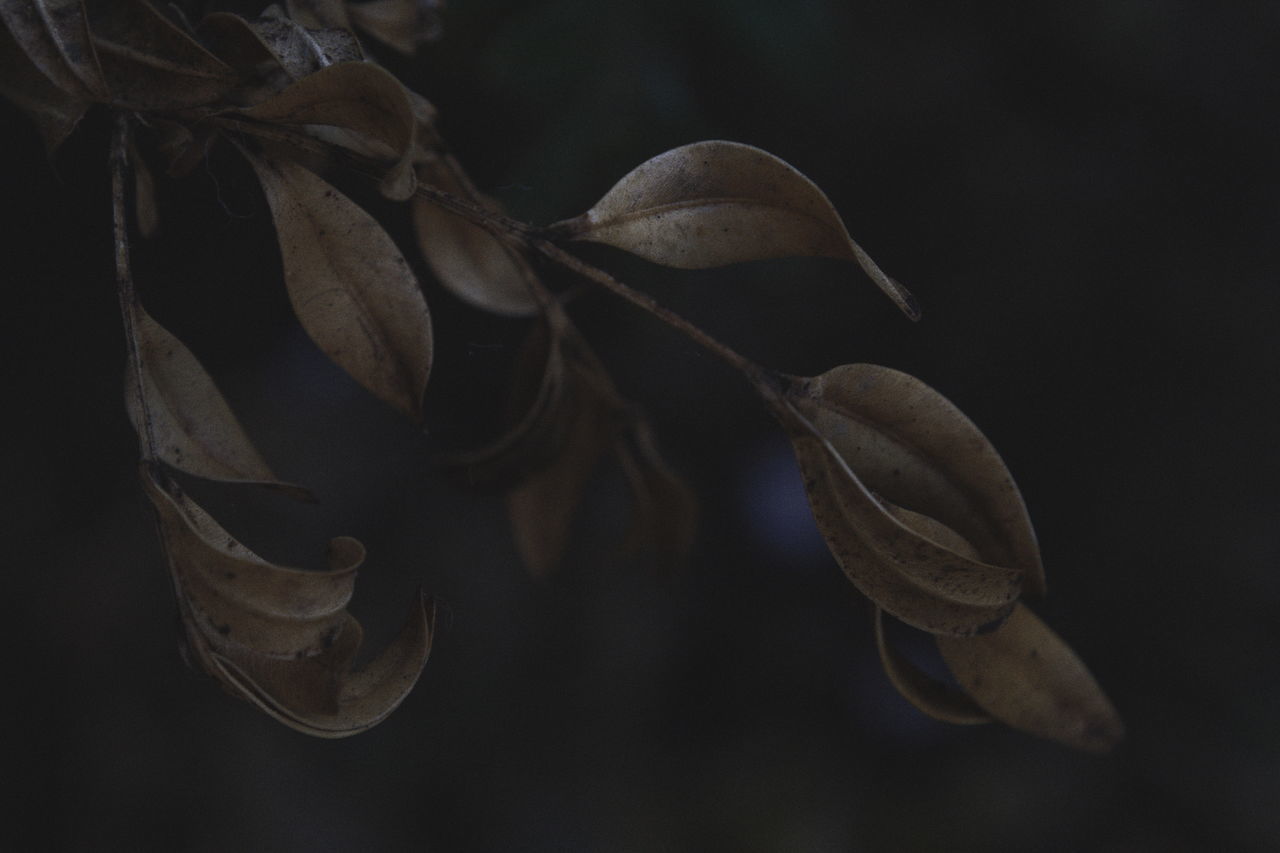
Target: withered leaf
x: 282, y: 638
x: 940, y: 701
x: 901, y: 571
x: 54, y: 111
x: 55, y: 35
x: 664, y: 508
x: 145, y: 208
x: 193, y: 427
x: 1024, y: 675
x: 914, y: 448
x: 349, y: 285
x: 714, y: 203
x: 401, y: 24
x: 259, y: 47
x: 150, y: 64
x: 363, y: 99
x: 470, y: 262
x: 316, y: 14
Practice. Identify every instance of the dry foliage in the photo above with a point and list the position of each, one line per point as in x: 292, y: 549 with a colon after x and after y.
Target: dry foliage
x: 915, y: 504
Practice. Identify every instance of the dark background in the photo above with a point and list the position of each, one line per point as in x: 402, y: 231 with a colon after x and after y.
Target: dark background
x: 1084, y: 198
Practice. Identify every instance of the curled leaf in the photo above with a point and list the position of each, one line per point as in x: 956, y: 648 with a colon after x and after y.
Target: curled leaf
x: 714, y: 203
x: 278, y: 49
x: 919, y: 581
x: 470, y: 262
x: 349, y: 285
x: 1024, y: 675
x: 940, y: 701
x: 193, y: 428
x: 281, y: 638
x: 55, y: 35
x: 911, y: 446
x: 363, y: 100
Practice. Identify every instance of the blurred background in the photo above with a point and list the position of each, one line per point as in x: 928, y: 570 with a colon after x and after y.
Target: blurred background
x: 1083, y: 197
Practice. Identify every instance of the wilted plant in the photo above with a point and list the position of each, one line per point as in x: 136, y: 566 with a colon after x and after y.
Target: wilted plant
x: 915, y: 504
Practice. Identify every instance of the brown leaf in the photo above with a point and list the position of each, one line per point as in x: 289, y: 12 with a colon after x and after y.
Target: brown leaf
x: 55, y: 35
x: 193, y: 427
x: 54, y: 111
x: 145, y: 209
x: 901, y: 571
x: 349, y: 285
x: 365, y: 101
x: 714, y: 203
x: 470, y: 262
x: 404, y: 25
x: 150, y: 64
x: 940, y: 701
x: 317, y: 14
x: 664, y: 508
x: 282, y: 638
x: 914, y: 448
x: 1024, y: 675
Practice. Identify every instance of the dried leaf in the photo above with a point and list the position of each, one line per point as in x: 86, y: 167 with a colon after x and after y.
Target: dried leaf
x: 1024, y: 675
x: 362, y: 99
x: 55, y: 35
x: 150, y: 64
x: 914, y: 448
x: 54, y: 111
x: 349, y: 285
x: 265, y: 45
x: 899, y: 570
x: 317, y: 14
x: 145, y: 208
x: 714, y: 203
x: 940, y: 701
x: 404, y: 25
x: 470, y: 262
x: 282, y: 638
x: 193, y: 427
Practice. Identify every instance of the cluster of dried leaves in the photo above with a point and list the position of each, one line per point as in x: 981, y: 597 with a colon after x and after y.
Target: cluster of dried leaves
x: 915, y: 504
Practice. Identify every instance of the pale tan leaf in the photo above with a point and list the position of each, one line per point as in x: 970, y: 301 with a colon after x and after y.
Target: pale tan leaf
x: 470, y: 262
x: 319, y: 696
x: 917, y: 580
x: 193, y: 427
x: 54, y: 111
x: 914, y: 448
x: 404, y: 25
x: 349, y: 285
x: 361, y: 99
x: 1024, y: 675
x: 150, y: 64
x: 714, y: 203
x: 145, y: 208
x: 55, y: 35
x: 938, y: 700
x: 237, y: 599
x: 319, y: 14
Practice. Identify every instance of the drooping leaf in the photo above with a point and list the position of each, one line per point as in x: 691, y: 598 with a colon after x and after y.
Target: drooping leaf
x: 470, y: 262
x: 404, y: 25
x: 362, y: 99
x: 54, y: 111
x: 193, y: 427
x: 1024, y: 675
x: 282, y: 638
x: 940, y: 701
x: 714, y: 203
x: 150, y: 64
x: 145, y: 208
x: 917, y: 580
x: 911, y: 446
x: 349, y: 285
x: 55, y: 35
